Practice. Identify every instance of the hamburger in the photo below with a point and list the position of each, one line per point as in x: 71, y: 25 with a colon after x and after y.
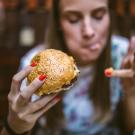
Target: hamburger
x: 58, y: 67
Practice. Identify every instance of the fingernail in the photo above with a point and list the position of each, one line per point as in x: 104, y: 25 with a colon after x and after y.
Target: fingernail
x: 33, y: 64
x: 42, y: 77
x: 108, y: 72
x: 58, y: 97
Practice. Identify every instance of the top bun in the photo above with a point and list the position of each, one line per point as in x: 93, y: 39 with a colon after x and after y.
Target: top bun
x: 59, y: 68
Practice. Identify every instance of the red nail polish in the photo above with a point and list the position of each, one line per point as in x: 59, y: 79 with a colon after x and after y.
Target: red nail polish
x: 58, y: 97
x: 108, y: 72
x: 33, y: 64
x: 42, y: 77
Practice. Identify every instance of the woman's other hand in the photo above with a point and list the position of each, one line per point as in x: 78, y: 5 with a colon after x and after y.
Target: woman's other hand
x: 129, y: 62
x: 23, y: 113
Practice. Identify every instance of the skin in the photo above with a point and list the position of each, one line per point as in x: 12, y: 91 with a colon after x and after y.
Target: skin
x: 129, y: 62
x: 85, y: 27
x: 21, y: 109
x: 129, y: 87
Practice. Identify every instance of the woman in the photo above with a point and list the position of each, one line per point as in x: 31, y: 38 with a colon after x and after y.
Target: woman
x: 80, y: 28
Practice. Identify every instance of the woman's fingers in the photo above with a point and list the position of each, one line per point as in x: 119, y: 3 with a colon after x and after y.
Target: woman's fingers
x: 17, y: 79
x: 132, y: 45
x: 129, y: 60
x: 128, y: 63
x: 133, y: 65
x: 131, y: 52
x: 39, y: 113
x: 39, y: 104
x: 16, y: 83
x: 27, y: 92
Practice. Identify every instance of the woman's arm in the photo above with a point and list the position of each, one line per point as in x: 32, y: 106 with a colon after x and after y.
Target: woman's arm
x: 128, y: 85
x: 129, y: 111
x: 23, y: 113
x: 4, y: 132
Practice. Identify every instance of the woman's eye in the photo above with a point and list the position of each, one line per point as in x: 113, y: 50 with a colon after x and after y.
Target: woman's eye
x: 74, y: 19
x: 99, y: 16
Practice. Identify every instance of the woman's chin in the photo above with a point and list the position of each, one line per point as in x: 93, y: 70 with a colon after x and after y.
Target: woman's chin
x: 86, y: 62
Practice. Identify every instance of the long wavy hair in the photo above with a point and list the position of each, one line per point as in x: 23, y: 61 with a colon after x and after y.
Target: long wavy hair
x: 100, y: 91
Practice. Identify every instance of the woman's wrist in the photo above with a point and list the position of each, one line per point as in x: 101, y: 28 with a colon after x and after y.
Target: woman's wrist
x: 128, y: 93
x: 4, y: 132
x: 9, y: 131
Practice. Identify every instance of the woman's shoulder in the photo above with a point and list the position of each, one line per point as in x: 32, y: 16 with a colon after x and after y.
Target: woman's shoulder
x: 30, y: 54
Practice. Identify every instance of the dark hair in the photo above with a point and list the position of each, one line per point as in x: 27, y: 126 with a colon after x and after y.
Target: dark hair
x: 54, y: 36
x: 100, y: 93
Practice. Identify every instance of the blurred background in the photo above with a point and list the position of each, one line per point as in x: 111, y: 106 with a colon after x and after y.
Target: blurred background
x: 23, y: 25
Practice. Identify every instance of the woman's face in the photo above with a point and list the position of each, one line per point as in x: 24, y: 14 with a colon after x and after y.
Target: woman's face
x: 85, y: 25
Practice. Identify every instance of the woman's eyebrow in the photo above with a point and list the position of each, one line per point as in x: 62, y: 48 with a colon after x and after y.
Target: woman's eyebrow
x: 102, y: 9
x: 70, y: 12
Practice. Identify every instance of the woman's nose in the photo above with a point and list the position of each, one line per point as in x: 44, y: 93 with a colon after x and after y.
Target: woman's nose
x: 87, y: 29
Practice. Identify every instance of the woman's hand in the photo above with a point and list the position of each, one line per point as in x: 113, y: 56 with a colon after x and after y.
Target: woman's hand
x: 129, y: 62
x: 23, y: 113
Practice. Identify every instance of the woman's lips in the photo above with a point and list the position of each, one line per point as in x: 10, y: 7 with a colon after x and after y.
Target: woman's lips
x: 93, y: 47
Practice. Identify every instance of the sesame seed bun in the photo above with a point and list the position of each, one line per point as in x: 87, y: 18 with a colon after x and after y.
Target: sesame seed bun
x: 59, y: 68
